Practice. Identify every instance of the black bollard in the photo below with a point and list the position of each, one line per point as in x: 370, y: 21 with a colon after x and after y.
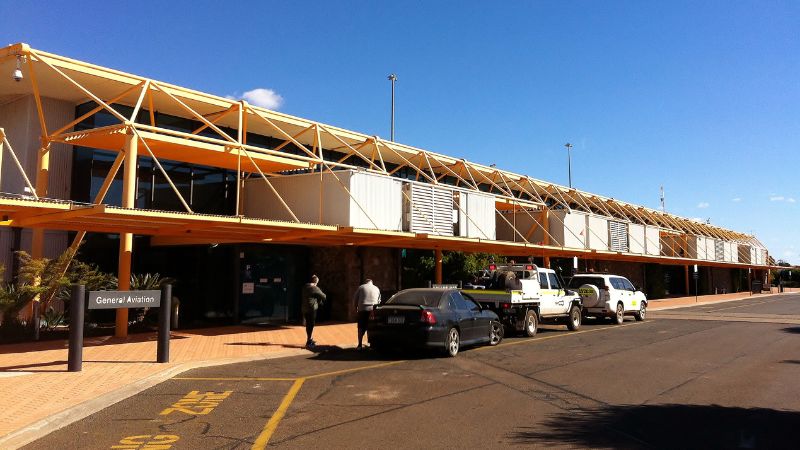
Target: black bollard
x: 77, y: 306
x: 164, y: 311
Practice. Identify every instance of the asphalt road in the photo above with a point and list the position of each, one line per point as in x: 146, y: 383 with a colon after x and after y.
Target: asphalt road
x: 719, y: 376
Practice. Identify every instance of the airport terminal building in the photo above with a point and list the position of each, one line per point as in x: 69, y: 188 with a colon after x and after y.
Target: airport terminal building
x: 241, y: 204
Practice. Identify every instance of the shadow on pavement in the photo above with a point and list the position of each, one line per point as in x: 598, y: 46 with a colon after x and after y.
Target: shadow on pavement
x: 334, y: 353
x: 791, y: 361
x: 27, y: 367
x: 667, y: 426
x: 794, y: 330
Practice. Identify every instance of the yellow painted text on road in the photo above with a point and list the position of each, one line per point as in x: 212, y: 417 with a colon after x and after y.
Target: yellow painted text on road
x: 197, y: 403
x: 147, y: 442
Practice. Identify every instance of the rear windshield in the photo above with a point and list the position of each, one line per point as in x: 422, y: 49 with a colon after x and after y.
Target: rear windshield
x: 419, y: 298
x: 577, y: 282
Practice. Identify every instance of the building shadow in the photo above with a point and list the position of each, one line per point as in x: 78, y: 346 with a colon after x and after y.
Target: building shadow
x: 666, y: 426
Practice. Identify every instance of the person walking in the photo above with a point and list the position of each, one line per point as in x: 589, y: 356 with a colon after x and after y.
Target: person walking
x: 367, y: 296
x: 312, y: 299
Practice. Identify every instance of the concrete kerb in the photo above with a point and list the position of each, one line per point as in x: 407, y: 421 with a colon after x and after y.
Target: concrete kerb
x: 714, y: 302
x: 54, y: 422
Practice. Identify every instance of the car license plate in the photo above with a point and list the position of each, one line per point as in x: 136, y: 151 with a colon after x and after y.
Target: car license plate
x: 396, y: 319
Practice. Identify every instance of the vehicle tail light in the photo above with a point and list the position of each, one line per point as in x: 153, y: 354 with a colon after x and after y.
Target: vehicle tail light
x: 506, y: 305
x: 427, y: 317
x: 605, y: 287
x: 492, y: 267
x: 529, y: 267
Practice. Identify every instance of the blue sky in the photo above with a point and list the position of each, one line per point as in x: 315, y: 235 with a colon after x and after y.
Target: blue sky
x: 700, y: 97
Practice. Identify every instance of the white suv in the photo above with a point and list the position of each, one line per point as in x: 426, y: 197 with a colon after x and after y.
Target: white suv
x: 609, y: 296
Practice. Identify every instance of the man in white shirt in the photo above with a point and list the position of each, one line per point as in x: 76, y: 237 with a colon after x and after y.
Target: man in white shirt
x: 367, y: 296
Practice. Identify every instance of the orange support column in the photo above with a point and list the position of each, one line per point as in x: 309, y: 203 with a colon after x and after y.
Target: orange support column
x: 686, y: 271
x: 438, y: 258
x: 546, y: 237
x: 126, y: 239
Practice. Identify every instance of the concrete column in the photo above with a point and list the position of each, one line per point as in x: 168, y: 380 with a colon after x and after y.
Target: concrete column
x: 438, y: 258
x: 126, y: 239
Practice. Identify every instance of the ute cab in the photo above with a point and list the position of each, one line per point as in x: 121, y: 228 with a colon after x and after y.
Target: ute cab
x: 523, y: 295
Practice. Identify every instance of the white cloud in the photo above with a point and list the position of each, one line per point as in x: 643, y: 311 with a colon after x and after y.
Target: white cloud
x: 790, y: 200
x: 703, y: 205
x: 263, y: 97
x: 698, y: 219
x: 776, y: 198
x: 737, y: 199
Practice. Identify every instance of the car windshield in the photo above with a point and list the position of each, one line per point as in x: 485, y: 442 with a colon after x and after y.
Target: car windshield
x: 421, y: 298
x: 579, y: 281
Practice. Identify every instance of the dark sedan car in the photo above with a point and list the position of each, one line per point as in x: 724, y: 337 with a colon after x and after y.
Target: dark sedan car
x: 444, y: 319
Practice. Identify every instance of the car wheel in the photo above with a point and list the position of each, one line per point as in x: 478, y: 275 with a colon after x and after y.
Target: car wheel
x: 642, y: 313
x: 452, y: 342
x: 574, y: 321
x: 495, y: 333
x: 531, y: 323
x: 620, y: 316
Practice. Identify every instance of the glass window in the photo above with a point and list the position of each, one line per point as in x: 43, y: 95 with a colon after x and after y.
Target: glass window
x: 416, y: 297
x: 461, y: 303
x: 617, y: 283
x: 543, y: 280
x: 627, y: 284
x: 577, y: 282
x: 554, y: 284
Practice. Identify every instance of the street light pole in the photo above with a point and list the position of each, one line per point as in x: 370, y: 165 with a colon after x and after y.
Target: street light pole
x: 569, y: 162
x: 392, y: 77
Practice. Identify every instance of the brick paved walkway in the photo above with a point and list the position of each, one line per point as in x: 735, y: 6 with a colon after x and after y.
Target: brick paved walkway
x: 35, y: 382
x: 36, y: 385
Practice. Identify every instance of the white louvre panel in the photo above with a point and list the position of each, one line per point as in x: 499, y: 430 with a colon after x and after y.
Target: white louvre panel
x: 719, y: 249
x: 618, y: 236
x: 430, y: 210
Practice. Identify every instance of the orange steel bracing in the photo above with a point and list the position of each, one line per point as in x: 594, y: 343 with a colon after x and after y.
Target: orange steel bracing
x: 221, y: 141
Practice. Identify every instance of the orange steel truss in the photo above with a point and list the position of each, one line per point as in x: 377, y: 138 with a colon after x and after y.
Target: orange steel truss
x: 214, y: 144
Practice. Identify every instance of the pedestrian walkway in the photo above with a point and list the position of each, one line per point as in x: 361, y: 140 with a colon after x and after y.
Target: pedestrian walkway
x: 677, y: 302
x: 39, y: 392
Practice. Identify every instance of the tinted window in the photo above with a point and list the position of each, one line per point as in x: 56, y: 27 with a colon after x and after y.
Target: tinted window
x: 462, y: 304
x: 554, y: 284
x: 422, y: 298
x: 543, y: 280
x: 627, y: 284
x: 577, y: 282
x: 617, y: 283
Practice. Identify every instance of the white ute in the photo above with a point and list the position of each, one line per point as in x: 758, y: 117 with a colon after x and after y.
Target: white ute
x: 523, y: 295
x: 611, y: 296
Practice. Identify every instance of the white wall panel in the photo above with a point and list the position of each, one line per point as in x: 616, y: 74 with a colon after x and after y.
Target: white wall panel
x: 652, y: 240
x: 568, y: 228
x: 379, y: 196
x: 597, y: 232
x: 476, y: 216
x: 636, y: 238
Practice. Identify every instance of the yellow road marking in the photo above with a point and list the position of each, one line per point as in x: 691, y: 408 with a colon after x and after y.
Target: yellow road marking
x: 338, y: 372
x: 233, y: 379
x: 318, y: 375
x: 272, y: 424
x: 539, y: 339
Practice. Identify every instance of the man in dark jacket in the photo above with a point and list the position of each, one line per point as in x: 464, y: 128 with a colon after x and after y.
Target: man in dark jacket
x: 312, y: 298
